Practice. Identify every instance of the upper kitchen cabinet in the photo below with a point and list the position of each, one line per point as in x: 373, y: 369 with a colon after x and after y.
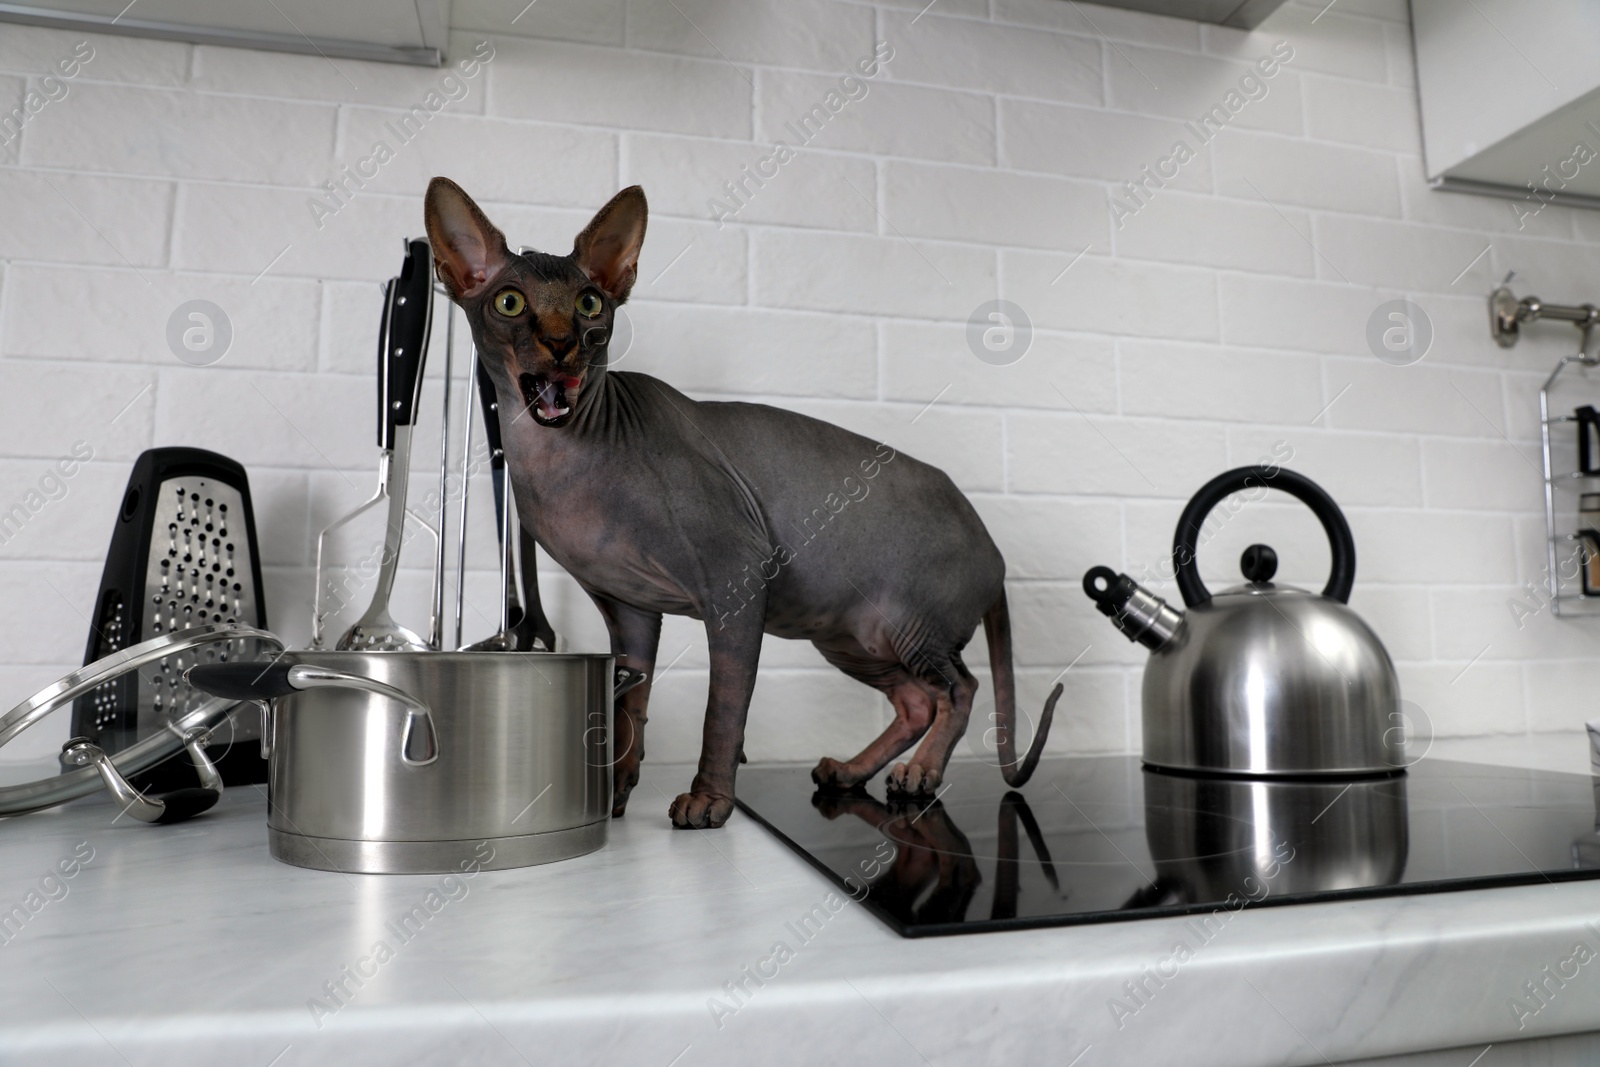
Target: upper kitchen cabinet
x: 396, y: 31
x: 1510, y: 93
x: 1240, y: 14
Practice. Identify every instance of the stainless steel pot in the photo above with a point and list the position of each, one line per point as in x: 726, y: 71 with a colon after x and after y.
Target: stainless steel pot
x: 1260, y: 680
x: 418, y: 762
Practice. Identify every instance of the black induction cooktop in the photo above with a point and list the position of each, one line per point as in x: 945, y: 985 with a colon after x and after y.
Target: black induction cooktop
x: 1101, y: 839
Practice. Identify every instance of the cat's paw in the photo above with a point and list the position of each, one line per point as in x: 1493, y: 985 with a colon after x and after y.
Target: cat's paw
x: 700, y: 811
x: 624, y: 776
x: 832, y: 775
x: 913, y: 780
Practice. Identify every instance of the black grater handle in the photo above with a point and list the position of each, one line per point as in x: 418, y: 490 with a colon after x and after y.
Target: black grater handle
x: 242, y: 681
x: 403, y: 340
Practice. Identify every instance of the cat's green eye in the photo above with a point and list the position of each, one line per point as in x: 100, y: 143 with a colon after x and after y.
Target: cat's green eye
x: 509, y: 303
x: 589, y: 305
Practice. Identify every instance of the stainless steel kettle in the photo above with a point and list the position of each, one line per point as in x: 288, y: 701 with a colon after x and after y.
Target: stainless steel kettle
x: 1260, y: 680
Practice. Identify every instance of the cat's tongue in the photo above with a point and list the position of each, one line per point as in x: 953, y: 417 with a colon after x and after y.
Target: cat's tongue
x: 552, y: 397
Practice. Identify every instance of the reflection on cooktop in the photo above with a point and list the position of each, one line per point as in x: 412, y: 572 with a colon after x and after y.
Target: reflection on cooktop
x: 1098, y: 839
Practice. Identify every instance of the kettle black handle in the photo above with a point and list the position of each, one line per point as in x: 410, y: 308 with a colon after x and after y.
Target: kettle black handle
x: 1218, y: 489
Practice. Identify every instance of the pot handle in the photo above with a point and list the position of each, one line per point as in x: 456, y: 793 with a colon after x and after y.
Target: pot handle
x: 419, y: 745
x: 241, y: 680
x: 1185, y: 541
x: 626, y: 679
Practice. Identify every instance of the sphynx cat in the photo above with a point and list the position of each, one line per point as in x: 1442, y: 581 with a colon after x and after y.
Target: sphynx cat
x: 750, y: 518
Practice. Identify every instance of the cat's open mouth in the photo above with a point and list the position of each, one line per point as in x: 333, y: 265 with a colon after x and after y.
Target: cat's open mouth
x: 550, y: 399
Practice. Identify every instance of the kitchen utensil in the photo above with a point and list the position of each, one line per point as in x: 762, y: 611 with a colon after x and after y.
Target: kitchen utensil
x: 187, y: 725
x: 409, y: 303
x: 1589, y: 542
x: 522, y: 629
x: 534, y: 631
x: 183, y: 552
x: 1588, y: 420
x: 402, y: 347
x: 411, y: 763
x: 461, y: 510
x: 1260, y: 679
x: 1589, y: 560
x: 503, y: 639
x: 441, y: 547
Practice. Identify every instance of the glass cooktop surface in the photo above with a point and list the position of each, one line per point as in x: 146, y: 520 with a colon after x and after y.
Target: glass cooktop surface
x: 1101, y: 839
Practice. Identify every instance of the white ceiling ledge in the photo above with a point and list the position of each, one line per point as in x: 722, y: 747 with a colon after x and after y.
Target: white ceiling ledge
x: 392, y: 31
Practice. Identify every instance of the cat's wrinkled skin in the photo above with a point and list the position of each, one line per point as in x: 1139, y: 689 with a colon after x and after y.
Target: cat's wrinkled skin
x: 748, y: 517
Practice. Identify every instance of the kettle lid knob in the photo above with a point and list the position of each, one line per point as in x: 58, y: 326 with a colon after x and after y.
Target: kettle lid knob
x: 1259, y: 563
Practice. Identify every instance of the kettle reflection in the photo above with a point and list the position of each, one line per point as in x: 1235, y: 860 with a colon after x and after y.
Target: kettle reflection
x: 1212, y: 837
x: 1586, y: 848
x: 1210, y: 840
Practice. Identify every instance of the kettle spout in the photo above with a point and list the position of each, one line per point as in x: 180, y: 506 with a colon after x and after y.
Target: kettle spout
x: 1138, y: 613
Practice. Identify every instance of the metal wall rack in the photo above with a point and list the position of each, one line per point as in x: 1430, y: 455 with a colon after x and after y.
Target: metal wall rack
x: 1565, y: 551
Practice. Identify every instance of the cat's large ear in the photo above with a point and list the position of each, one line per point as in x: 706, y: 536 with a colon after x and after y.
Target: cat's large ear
x: 467, y: 248
x: 608, y: 248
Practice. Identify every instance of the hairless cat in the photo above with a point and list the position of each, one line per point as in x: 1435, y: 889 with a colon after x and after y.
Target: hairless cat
x: 748, y: 517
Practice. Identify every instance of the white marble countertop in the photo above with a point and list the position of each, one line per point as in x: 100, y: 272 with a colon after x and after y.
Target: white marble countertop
x: 1565, y: 750
x: 190, y: 945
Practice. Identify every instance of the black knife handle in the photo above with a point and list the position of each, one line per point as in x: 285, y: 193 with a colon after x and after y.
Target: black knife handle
x: 386, y: 374
x: 403, y: 340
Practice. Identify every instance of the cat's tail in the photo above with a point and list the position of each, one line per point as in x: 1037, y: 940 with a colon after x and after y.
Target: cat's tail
x: 997, y: 629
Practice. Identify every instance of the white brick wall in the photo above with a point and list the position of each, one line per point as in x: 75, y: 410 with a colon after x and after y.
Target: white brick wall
x: 1224, y: 317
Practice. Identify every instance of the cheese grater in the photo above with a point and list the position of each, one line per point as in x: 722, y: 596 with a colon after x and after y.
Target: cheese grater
x: 183, y: 553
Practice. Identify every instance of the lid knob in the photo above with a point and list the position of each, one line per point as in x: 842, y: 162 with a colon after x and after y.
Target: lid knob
x: 1259, y: 563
